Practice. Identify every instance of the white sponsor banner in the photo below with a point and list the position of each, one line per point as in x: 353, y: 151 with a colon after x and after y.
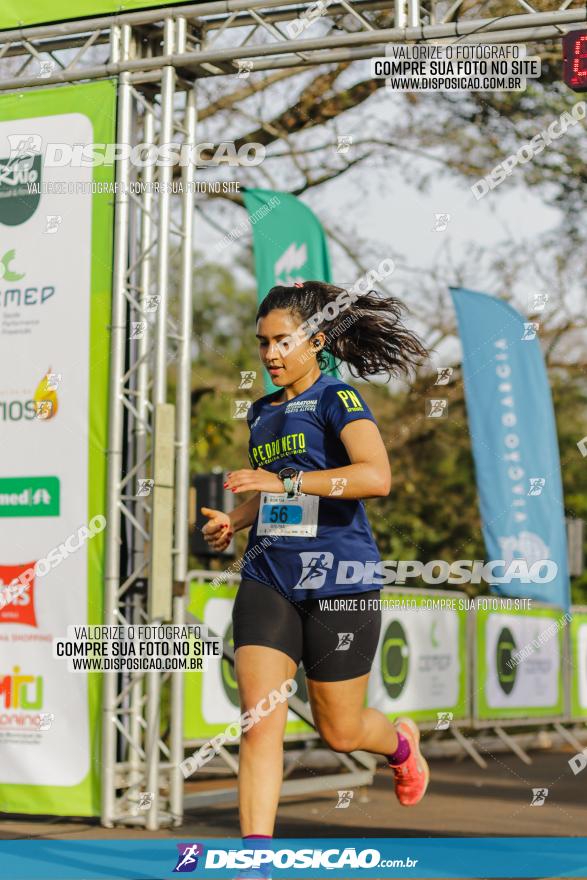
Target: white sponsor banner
x: 44, y: 332
x: 418, y: 666
x: 217, y: 708
x: 531, y: 683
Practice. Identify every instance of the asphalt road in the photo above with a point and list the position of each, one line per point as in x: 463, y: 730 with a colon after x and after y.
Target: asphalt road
x: 462, y: 801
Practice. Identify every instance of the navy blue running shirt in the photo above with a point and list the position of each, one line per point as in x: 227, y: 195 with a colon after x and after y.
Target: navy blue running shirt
x: 304, y: 433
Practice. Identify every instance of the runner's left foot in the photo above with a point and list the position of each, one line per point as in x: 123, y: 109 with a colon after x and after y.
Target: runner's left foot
x: 413, y: 775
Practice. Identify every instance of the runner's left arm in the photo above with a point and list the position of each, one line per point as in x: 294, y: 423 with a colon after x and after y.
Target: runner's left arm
x: 367, y: 476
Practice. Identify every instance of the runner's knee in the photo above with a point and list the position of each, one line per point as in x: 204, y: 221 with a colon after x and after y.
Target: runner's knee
x: 340, y: 737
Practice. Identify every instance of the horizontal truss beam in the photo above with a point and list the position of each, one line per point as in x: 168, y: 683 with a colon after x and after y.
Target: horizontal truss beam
x: 333, y: 47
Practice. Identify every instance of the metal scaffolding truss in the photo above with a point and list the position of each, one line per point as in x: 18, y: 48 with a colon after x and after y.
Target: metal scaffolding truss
x: 223, y: 37
x: 158, y: 57
x: 151, y: 331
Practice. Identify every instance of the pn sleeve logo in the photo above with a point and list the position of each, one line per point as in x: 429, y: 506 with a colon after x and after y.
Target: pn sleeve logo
x: 351, y: 401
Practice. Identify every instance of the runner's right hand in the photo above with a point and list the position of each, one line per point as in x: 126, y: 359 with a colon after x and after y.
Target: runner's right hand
x: 219, y: 530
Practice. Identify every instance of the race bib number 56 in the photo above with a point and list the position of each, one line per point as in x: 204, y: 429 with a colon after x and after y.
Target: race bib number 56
x: 280, y: 515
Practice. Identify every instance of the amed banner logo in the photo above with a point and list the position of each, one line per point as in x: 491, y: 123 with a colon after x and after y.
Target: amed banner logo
x: 20, y: 188
x: 29, y: 496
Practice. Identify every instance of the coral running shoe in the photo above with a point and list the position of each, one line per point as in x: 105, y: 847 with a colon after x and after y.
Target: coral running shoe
x: 411, y: 777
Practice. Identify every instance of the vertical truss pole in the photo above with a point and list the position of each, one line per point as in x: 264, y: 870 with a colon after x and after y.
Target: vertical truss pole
x: 127, y: 680
x: 413, y: 13
x: 400, y: 16
x: 160, y: 388
x: 120, y: 50
x: 165, y: 179
x: 183, y: 434
x: 141, y: 436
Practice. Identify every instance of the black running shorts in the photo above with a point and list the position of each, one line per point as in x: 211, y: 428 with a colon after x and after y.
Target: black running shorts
x: 334, y: 643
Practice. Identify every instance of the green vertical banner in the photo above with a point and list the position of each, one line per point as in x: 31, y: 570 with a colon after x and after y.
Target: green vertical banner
x: 289, y: 243
x: 56, y: 225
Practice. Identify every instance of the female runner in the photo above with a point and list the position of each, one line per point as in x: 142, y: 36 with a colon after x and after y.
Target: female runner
x: 315, y: 452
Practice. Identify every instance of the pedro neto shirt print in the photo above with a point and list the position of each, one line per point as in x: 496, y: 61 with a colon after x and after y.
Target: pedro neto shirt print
x: 304, y: 433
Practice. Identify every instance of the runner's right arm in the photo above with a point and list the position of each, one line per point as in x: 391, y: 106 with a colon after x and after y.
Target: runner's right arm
x: 221, y: 526
x: 245, y: 514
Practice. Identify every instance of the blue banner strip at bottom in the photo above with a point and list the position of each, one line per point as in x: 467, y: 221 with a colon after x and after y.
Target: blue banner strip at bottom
x: 367, y: 858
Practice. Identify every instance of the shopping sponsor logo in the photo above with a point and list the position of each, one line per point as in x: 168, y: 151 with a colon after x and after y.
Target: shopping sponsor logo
x: 395, y: 659
x: 506, y: 671
x: 29, y: 496
x: 187, y: 857
x: 19, y: 173
x: 21, y: 691
x: 22, y: 608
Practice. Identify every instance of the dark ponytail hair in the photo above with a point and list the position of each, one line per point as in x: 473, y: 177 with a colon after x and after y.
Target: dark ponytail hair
x: 367, y: 334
